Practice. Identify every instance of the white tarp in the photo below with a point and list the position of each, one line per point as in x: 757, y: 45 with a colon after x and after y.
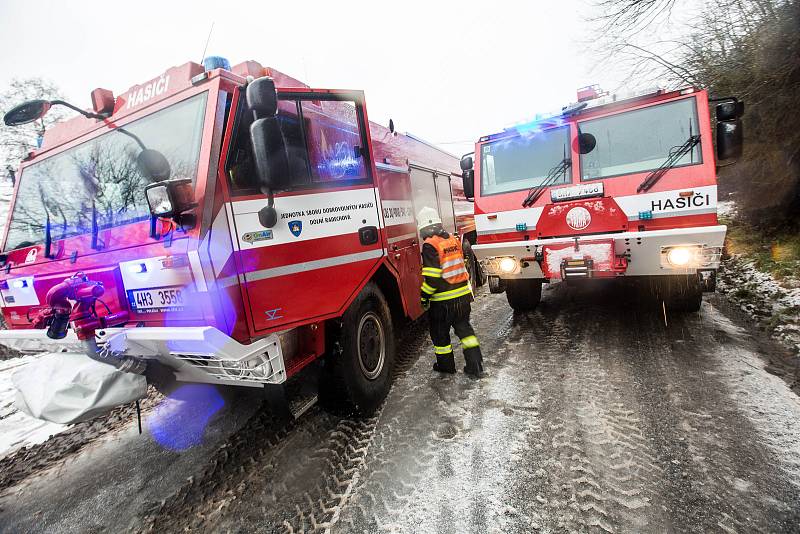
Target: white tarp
x: 67, y: 388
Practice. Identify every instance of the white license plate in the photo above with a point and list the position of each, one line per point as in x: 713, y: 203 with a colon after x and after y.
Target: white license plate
x: 154, y: 300
x: 576, y: 192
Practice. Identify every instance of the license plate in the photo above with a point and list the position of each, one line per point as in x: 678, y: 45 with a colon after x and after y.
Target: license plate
x: 576, y: 192
x: 156, y: 300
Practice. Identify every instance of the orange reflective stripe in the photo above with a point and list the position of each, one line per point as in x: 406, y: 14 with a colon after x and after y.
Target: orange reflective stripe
x: 451, y: 258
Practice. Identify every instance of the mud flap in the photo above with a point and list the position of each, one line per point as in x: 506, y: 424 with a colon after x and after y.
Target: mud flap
x: 708, y: 280
x: 278, y: 402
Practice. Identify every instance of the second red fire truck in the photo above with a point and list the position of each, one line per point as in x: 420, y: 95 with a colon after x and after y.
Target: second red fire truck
x: 609, y: 187
x: 227, y: 225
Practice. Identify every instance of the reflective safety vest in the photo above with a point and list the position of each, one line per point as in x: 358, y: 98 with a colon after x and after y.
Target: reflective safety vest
x: 451, y: 259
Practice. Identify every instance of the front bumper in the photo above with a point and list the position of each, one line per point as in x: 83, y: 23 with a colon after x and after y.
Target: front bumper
x: 643, y: 250
x: 197, y: 354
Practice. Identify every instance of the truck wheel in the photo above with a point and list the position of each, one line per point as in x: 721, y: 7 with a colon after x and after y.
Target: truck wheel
x: 476, y: 276
x: 359, y: 368
x: 523, y: 294
x: 496, y: 284
x: 685, y: 293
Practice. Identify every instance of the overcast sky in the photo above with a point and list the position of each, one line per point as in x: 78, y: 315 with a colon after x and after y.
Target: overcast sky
x: 445, y: 71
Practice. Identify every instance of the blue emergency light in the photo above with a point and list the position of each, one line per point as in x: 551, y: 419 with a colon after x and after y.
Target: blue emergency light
x: 216, y: 62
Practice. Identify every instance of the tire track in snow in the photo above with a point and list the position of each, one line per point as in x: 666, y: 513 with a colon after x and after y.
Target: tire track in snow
x: 276, y: 477
x: 602, y: 461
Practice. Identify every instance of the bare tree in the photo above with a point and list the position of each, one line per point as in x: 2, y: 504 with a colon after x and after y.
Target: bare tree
x: 743, y: 48
x: 16, y: 142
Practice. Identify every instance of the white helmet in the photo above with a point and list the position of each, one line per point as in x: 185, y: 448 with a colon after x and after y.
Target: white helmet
x: 427, y: 217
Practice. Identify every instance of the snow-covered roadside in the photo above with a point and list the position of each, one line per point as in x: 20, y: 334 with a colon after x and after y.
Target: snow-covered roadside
x: 17, y: 430
x: 775, y: 306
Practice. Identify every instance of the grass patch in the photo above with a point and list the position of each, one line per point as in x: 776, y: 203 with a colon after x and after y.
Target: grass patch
x: 776, y: 252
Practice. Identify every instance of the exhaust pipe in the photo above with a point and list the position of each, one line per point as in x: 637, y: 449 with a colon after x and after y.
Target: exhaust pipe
x: 106, y: 355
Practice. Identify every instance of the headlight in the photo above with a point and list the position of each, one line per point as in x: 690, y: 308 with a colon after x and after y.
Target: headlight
x: 690, y: 256
x: 500, y: 265
x: 258, y: 367
x: 508, y: 265
x: 681, y: 256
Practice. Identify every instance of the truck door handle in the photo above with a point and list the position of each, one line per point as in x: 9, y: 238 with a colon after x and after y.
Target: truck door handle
x: 368, y: 235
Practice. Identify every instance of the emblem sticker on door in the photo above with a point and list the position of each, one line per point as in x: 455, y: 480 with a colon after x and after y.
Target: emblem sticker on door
x: 296, y: 227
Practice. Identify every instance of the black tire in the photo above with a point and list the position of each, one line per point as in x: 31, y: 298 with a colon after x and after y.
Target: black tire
x: 684, y: 293
x: 523, y: 294
x: 476, y: 276
x: 496, y: 285
x: 359, y: 368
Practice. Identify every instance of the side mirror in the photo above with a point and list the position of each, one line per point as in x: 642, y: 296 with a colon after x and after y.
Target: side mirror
x: 730, y: 139
x: 262, y: 97
x: 728, y: 111
x: 468, y: 178
x: 170, y: 198
x: 586, y: 143
x: 730, y: 136
x: 269, y: 154
x: 27, y: 112
x: 153, y: 165
x: 468, y: 175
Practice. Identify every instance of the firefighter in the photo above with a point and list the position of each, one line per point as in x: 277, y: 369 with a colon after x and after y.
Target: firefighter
x: 447, y: 294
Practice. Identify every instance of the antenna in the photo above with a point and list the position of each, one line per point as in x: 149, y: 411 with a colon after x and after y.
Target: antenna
x: 208, y: 39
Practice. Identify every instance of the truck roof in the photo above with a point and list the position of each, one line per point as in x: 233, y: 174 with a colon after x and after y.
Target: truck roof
x: 166, y: 84
x: 601, y: 103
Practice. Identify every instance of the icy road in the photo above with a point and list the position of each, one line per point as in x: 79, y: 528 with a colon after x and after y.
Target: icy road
x: 594, y: 416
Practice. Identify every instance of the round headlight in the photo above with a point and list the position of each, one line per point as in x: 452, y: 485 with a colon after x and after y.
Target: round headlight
x: 508, y: 265
x: 679, y: 256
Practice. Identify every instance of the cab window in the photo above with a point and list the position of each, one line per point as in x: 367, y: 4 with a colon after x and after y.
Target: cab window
x: 640, y: 140
x: 324, y: 141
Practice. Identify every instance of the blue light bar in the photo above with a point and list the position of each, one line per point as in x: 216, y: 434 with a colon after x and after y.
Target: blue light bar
x: 216, y: 62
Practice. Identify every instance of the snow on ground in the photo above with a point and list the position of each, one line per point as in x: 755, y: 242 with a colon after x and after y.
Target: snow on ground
x: 17, y: 429
x: 760, y: 295
x: 726, y: 208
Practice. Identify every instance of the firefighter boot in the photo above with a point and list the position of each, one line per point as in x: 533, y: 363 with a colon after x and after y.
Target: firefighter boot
x: 474, y: 361
x: 445, y: 363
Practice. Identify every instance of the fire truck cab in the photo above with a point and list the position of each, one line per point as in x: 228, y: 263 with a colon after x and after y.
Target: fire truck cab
x: 230, y: 225
x: 608, y: 187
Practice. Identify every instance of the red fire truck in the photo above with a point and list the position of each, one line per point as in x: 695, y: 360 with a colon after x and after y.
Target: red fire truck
x: 608, y: 187
x: 228, y: 225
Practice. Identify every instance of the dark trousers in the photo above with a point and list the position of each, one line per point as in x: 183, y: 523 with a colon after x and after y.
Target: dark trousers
x: 454, y: 314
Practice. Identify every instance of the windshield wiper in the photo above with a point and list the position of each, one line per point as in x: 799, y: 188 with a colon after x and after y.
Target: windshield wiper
x: 552, y: 176
x: 95, y: 229
x: 675, y: 155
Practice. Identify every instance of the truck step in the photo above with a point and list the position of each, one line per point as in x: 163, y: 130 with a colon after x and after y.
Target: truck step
x: 301, y: 404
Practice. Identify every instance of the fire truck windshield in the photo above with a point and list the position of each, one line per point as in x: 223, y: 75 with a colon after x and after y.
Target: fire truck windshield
x: 100, y: 178
x: 640, y: 140
x: 523, y: 161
